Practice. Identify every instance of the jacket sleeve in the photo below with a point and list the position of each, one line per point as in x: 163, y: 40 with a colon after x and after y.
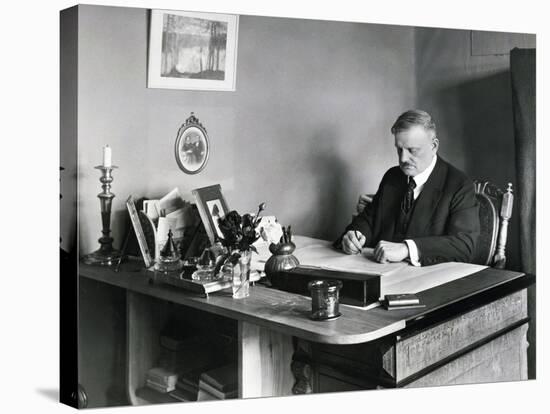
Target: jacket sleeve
x: 462, y: 231
x: 363, y: 222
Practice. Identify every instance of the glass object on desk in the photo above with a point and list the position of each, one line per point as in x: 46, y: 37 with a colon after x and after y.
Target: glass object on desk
x: 169, y: 259
x: 241, y: 275
x: 325, y: 295
x: 205, y: 267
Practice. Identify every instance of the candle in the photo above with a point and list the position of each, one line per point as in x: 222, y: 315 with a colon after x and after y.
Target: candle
x: 107, y: 155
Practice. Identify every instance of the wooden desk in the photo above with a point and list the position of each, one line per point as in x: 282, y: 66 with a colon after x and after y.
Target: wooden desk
x: 484, y: 312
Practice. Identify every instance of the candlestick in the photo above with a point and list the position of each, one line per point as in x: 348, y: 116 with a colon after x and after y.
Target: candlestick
x: 106, y: 255
x: 107, y: 156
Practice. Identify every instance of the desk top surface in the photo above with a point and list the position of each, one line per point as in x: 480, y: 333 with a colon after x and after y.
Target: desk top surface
x: 289, y: 313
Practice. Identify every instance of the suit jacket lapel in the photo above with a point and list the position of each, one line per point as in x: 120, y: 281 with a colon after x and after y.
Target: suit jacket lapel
x: 427, y: 201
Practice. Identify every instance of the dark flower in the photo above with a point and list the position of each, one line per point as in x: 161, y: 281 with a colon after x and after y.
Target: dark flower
x: 247, y: 220
x: 240, y: 232
x: 233, y: 218
x: 230, y: 226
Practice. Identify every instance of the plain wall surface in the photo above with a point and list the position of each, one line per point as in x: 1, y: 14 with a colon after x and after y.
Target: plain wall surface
x: 306, y: 130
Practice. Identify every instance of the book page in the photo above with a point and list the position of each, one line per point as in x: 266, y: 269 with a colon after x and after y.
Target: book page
x: 326, y: 257
x: 179, y: 217
x: 170, y: 202
x: 152, y: 208
x: 416, y: 279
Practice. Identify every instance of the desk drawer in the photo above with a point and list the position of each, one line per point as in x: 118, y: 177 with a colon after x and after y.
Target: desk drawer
x: 502, y: 359
x: 418, y: 351
x: 399, y: 360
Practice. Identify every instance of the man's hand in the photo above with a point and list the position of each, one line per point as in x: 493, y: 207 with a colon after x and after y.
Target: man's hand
x: 390, y: 252
x: 364, y: 199
x: 353, y: 242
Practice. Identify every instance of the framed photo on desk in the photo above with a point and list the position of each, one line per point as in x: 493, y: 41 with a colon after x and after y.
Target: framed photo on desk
x: 212, y: 206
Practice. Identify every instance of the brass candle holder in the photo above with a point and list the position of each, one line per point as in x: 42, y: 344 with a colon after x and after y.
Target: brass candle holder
x: 106, y: 255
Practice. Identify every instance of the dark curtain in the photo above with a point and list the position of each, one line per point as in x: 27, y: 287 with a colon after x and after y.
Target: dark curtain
x: 522, y: 68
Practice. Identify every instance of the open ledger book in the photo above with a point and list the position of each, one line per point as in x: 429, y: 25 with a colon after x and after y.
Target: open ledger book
x: 394, y: 278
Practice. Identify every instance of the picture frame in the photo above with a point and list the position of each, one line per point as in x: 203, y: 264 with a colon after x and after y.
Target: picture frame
x: 212, y: 205
x: 192, y: 146
x: 191, y: 50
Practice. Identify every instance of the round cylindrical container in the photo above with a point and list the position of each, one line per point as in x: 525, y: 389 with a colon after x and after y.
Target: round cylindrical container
x: 325, y: 299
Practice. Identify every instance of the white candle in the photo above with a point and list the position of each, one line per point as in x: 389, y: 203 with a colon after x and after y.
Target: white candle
x: 107, y: 156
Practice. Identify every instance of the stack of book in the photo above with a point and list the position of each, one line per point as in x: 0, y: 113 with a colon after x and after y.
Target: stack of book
x: 218, y: 384
x: 161, y: 380
x: 187, y: 387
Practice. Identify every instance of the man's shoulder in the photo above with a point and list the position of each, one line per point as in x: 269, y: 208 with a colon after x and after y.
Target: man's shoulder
x: 394, y: 173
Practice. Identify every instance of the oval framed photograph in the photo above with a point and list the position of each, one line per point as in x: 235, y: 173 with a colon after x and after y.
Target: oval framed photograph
x: 192, y: 147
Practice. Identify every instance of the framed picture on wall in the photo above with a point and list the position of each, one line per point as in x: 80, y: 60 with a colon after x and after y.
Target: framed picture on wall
x: 192, y: 147
x: 189, y: 50
x: 212, y: 206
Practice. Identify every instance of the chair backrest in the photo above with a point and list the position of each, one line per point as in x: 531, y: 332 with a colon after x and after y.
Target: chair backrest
x: 495, y: 211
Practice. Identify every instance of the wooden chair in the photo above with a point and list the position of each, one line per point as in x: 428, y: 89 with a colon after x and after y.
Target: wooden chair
x: 495, y: 211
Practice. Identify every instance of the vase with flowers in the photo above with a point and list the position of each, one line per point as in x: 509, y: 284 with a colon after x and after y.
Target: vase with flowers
x: 239, y: 234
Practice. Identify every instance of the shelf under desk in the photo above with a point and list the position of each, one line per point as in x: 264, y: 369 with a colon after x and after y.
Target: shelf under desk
x: 269, y: 319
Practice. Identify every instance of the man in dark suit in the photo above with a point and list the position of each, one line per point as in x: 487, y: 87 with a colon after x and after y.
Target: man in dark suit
x: 425, y: 209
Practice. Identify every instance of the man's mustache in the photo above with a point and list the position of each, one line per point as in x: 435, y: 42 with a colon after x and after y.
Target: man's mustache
x: 406, y: 164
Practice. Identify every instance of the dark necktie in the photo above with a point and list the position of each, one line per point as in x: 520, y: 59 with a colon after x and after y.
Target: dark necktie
x: 408, y: 200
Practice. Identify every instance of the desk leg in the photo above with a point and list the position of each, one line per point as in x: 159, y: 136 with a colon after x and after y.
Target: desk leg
x: 301, y: 367
x: 265, y: 357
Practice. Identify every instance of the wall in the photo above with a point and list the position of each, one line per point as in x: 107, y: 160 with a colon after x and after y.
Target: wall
x: 306, y: 130
x: 470, y: 97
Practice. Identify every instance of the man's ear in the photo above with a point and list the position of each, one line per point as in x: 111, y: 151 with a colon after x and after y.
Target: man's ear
x: 435, y: 144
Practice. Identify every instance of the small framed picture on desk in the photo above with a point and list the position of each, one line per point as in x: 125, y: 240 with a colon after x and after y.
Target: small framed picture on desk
x: 212, y: 206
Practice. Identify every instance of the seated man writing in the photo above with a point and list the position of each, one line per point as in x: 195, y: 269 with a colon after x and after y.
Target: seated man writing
x: 425, y: 209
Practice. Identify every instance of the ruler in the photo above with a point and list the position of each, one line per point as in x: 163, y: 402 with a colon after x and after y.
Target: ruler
x: 140, y: 235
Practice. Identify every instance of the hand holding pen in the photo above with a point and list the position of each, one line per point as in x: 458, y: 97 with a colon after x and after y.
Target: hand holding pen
x: 353, y: 241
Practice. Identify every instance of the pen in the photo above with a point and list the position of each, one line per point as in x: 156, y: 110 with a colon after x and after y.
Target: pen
x: 289, y: 232
x: 357, y: 237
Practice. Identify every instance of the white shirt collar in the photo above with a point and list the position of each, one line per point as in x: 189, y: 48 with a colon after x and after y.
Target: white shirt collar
x: 420, y: 179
